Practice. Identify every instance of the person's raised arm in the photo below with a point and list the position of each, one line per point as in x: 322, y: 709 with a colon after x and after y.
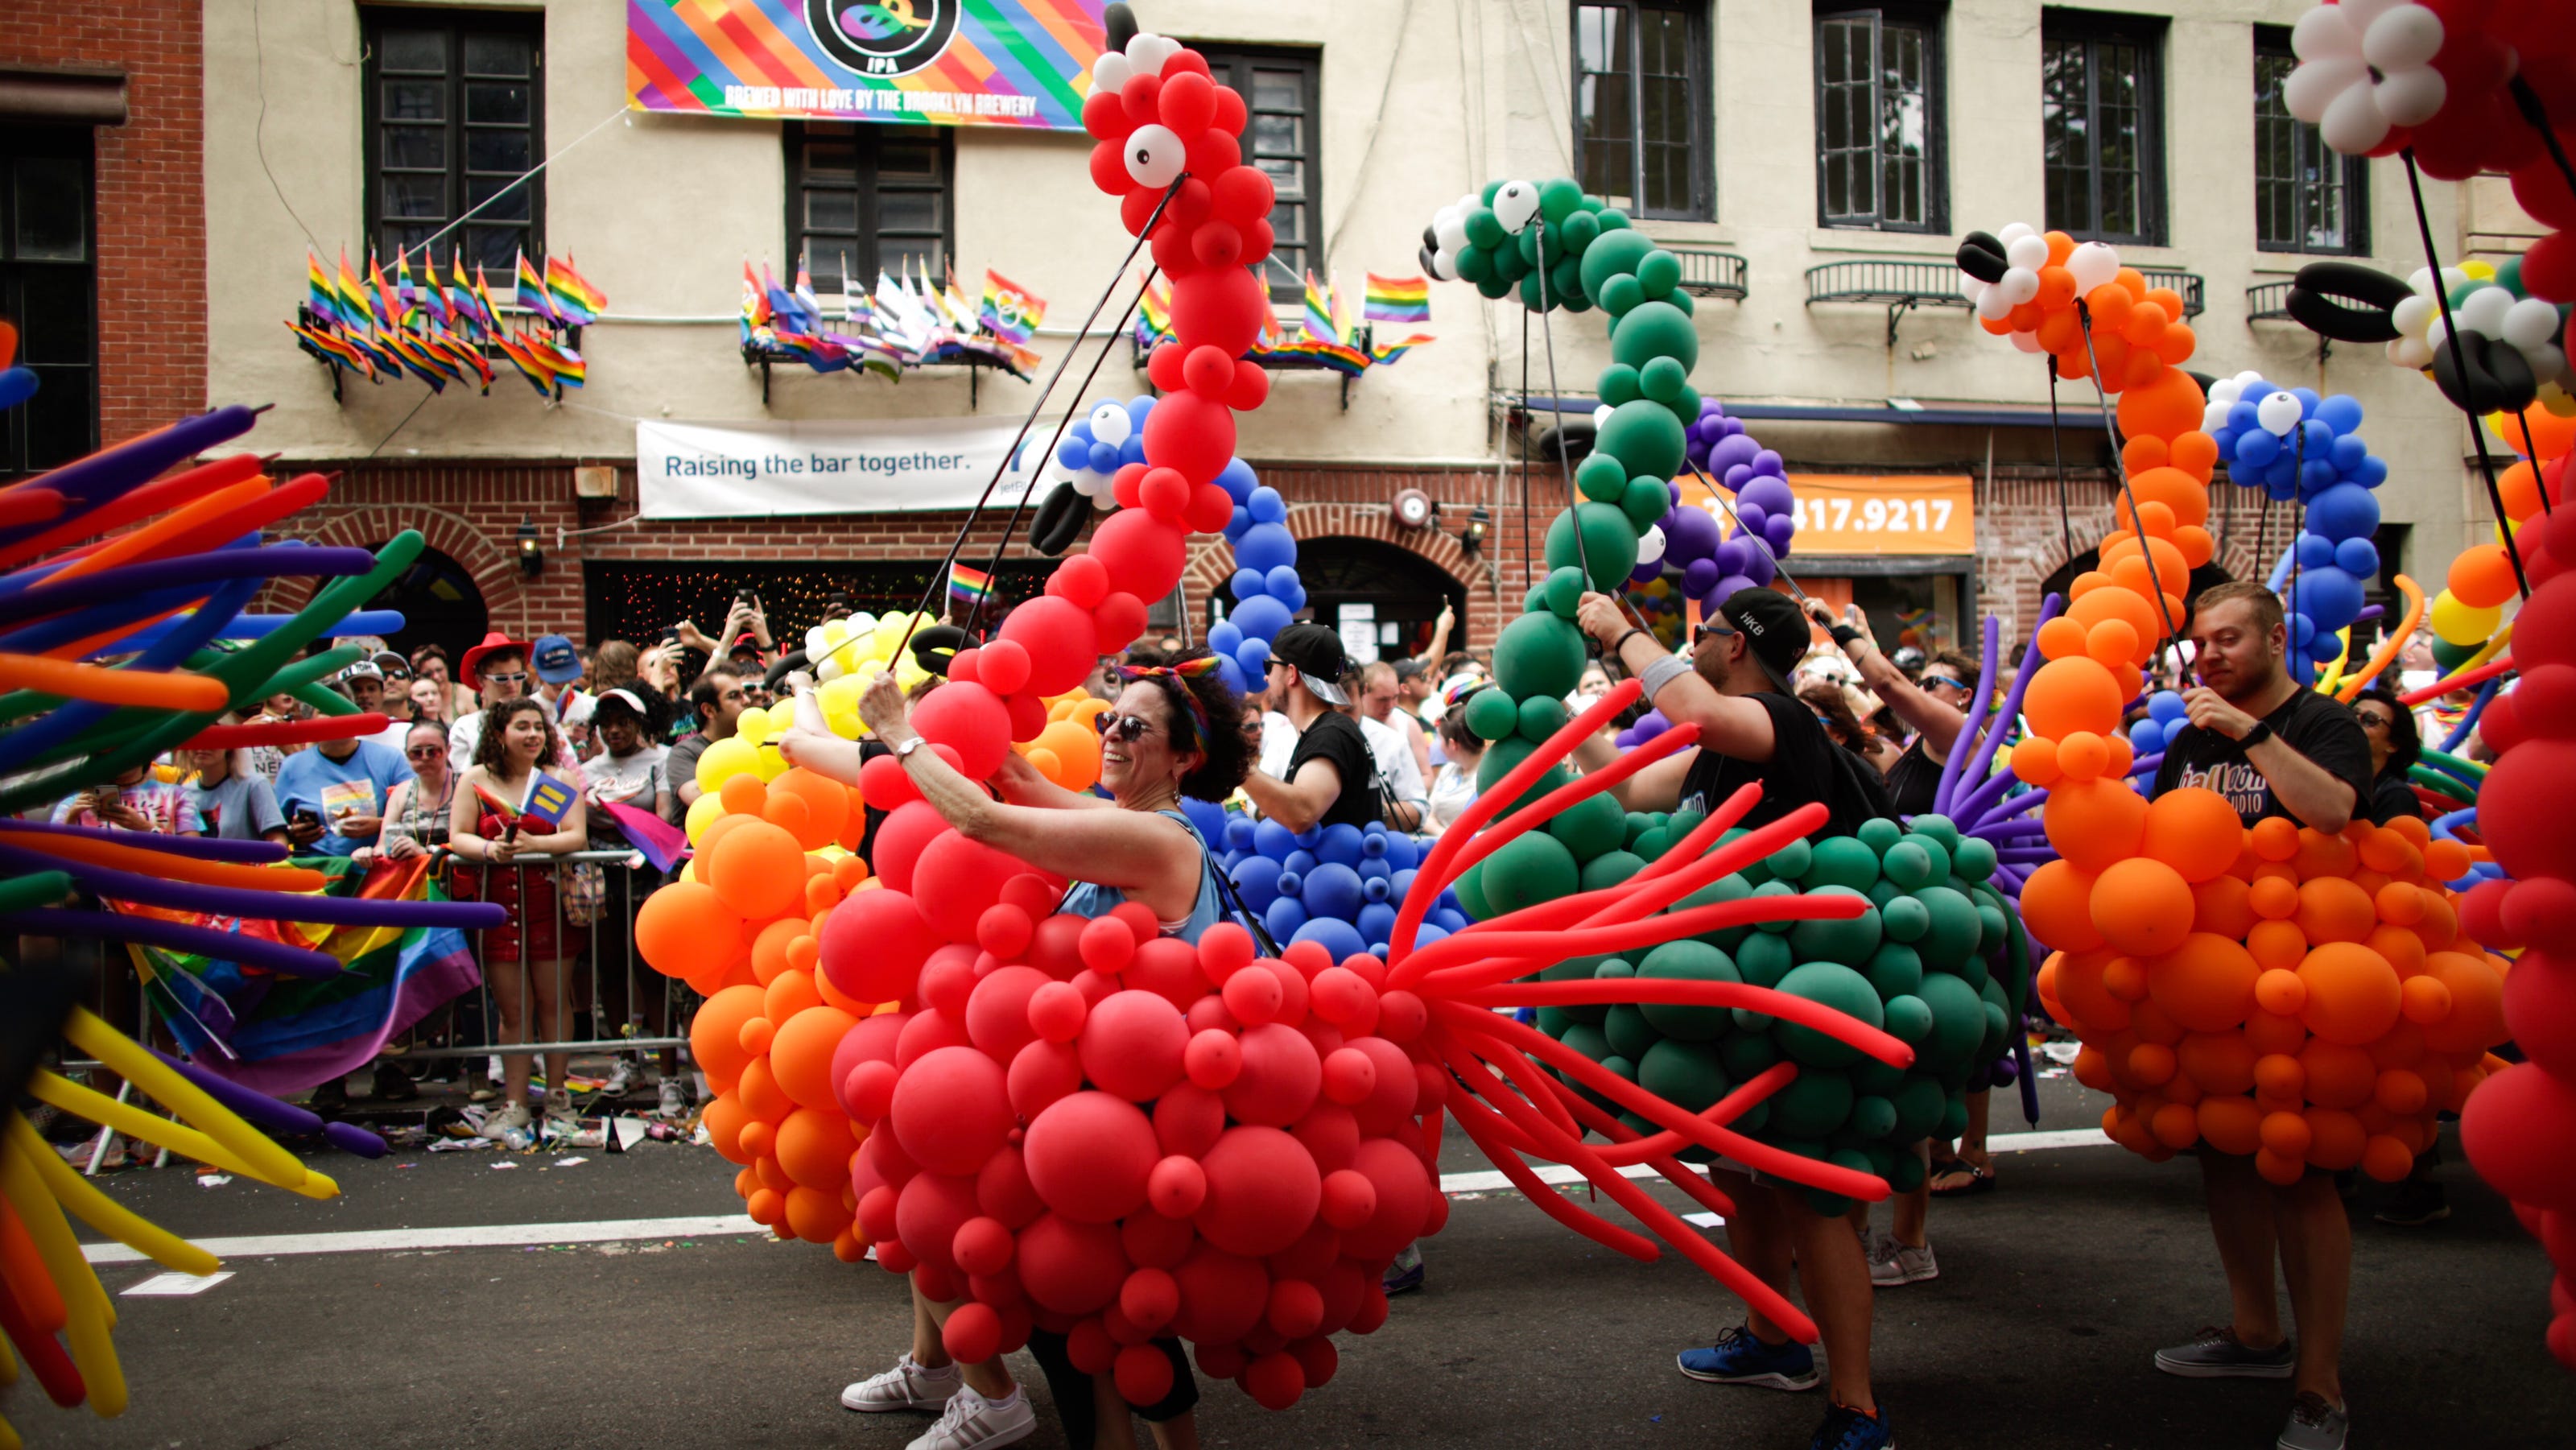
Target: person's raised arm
x: 1731, y: 725
x: 1938, y: 724
x: 1658, y: 787
x: 1297, y: 804
x: 1430, y: 657
x: 2322, y: 800
x: 1021, y: 784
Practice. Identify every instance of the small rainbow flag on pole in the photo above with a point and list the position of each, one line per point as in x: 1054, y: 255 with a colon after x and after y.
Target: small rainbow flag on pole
x: 1319, y: 312
x: 532, y: 292
x: 969, y: 586
x: 576, y: 301
x: 1398, y: 299
x: 1011, y: 312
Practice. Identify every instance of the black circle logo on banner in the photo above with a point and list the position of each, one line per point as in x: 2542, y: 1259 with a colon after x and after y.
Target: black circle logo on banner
x: 881, y: 39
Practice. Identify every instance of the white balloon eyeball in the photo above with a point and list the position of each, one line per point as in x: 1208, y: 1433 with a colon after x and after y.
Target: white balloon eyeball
x: 2531, y: 323
x: 2027, y: 251
x: 2020, y: 284
x: 1601, y: 416
x: 1650, y: 544
x: 2278, y: 413
x: 1155, y: 156
x: 1110, y: 424
x: 1515, y: 204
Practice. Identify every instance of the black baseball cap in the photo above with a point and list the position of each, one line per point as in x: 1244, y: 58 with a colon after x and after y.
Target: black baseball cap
x: 1770, y: 622
x: 1408, y: 668
x: 1317, y: 653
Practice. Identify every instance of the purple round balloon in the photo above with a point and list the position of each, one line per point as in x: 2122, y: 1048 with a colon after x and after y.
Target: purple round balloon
x: 1650, y: 725
x: 1758, y: 567
x: 1778, y: 529
x: 1729, y: 585
x: 1698, y: 577
x: 1767, y: 461
x: 1753, y: 516
x: 1730, y: 451
x: 1730, y: 557
x: 1769, y: 494
x: 1645, y: 570
x: 1689, y: 535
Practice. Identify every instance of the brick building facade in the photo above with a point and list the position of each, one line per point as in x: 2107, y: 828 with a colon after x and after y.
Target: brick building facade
x: 59, y: 64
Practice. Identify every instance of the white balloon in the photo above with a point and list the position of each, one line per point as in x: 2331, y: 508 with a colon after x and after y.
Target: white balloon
x: 2278, y: 413
x: 2404, y: 38
x: 1970, y: 287
x: 1110, y: 423
x: 2225, y: 392
x: 2530, y: 323
x: 2020, y: 283
x: 2453, y: 277
x: 2421, y: 279
x: 2363, y: 12
x: 2410, y: 315
x: 2093, y: 264
x: 1601, y: 416
x: 1105, y: 500
x: 2315, y: 85
x: 2412, y: 97
x: 1995, y: 303
x: 2014, y: 232
x: 831, y: 669
x: 2411, y: 352
x: 2435, y: 335
x: 2213, y: 417
x: 1650, y: 544
x: 1514, y: 205
x: 1155, y: 155
x: 1452, y: 232
x: 2325, y: 32
x: 2353, y: 123
x: 2029, y: 252
x: 814, y: 642
x: 1444, y: 265
x: 2246, y: 379
x: 1110, y: 71
x: 2484, y: 311
x: 1147, y: 52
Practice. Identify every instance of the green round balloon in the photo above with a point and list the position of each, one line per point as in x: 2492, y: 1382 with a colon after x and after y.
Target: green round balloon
x: 1829, y: 984
x: 1580, y: 229
x: 1685, y: 821
x: 1908, y: 1019
x: 1745, y: 1054
x: 1685, y: 1074
x: 1565, y: 286
x: 1565, y: 591
x: 1905, y: 1174
x: 1590, y: 826
x: 1611, y: 969
x: 1628, y: 1032
x: 1484, y: 229
x: 1991, y: 927
x: 1645, y: 437
x: 1539, y: 654
x: 1499, y: 759
x: 1764, y: 957
x: 1958, y: 1025
x: 1589, y: 1040
x: 1609, y: 869
x: 1837, y: 941
x: 1475, y: 264
x: 1718, y: 892
x: 1841, y: 861
x: 1940, y: 828
x: 1621, y: 294
x: 1663, y: 379
x: 1659, y: 272
x: 1509, y: 264
x: 1878, y: 833
x: 1541, y: 717
x: 1935, y: 851
x: 1601, y: 478
x: 1681, y: 301
x: 1618, y: 385
x: 1613, y: 219
x: 1812, y: 1105
x: 1791, y: 861
x: 1918, y: 1100
x: 1881, y: 892
x: 1688, y: 960
x: 1954, y: 1118
x: 1553, y: 1021
x: 1869, y: 1075
x: 1974, y: 859
x: 1685, y: 406
x: 1609, y: 541
x: 1614, y: 253
x: 1645, y: 501
x: 1652, y: 844
x: 1905, y: 918
x: 1954, y: 931
x: 1493, y: 284
x: 1491, y: 715
x: 1559, y: 199
x: 1530, y: 868
x: 1873, y: 1116
x: 1909, y: 866
x: 1652, y: 329
x: 1895, y: 969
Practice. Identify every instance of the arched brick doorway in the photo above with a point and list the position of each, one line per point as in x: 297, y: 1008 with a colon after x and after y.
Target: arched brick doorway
x: 1354, y: 582
x: 482, y: 570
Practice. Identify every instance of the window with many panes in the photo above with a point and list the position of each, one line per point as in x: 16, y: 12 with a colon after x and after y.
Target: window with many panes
x: 48, y: 292
x: 1879, y: 137
x: 1282, y: 91
x: 2306, y: 197
x: 865, y: 199
x: 1641, y: 122
x: 2102, y: 126
x: 455, y: 118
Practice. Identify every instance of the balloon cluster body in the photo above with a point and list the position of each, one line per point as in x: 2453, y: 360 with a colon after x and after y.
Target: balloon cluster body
x: 2074, y: 301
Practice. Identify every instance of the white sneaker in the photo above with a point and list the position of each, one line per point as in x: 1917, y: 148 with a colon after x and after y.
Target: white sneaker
x: 675, y: 1103
x: 492, y: 1066
x: 561, y: 1121
x: 907, y: 1386
x: 627, y: 1076
x: 1892, y: 1264
x: 510, y: 1117
x: 972, y: 1421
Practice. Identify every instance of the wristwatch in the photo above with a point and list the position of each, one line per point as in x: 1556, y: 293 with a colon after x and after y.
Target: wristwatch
x: 2256, y: 736
x: 905, y: 750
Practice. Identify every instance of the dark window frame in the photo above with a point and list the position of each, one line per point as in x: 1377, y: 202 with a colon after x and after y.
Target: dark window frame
x: 1932, y: 19
x: 30, y: 142
x: 374, y: 20
x: 2095, y: 30
x: 2352, y: 180
x: 1232, y: 65
x: 868, y: 187
x: 1700, y: 146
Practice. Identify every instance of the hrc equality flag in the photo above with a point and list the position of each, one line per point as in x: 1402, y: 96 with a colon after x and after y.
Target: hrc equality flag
x: 945, y: 62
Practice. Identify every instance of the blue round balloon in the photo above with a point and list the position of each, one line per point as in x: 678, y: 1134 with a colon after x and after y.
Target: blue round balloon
x: 1338, y: 937
x: 1292, y: 883
x: 1104, y: 458
x: 1266, y: 546
x: 1260, y: 617
x: 1301, y: 860
x: 1238, y: 480
x: 1377, y: 922
x: 2167, y: 706
x: 1448, y: 919
x: 1281, y: 582
x: 1332, y: 889
x: 1403, y: 852
x: 1239, y: 832
x: 1248, y: 584
x: 2315, y: 551
x: 2256, y: 448
x: 2329, y: 597
x: 1284, y: 917
x: 1254, y: 658
x: 1400, y: 885
x: 1074, y: 453
x: 1235, y: 524
x: 1224, y: 637
x: 1273, y: 840
x: 2342, y: 412
x: 1341, y: 843
x: 1257, y: 877
x: 2345, y: 511
x: 2357, y: 557
x: 1267, y: 506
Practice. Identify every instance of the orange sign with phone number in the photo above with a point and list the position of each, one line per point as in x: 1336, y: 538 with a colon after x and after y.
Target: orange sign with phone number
x: 1845, y: 513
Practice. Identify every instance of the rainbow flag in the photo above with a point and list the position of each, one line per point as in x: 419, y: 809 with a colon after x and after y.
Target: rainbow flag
x: 516, y: 348
x: 576, y: 301
x: 486, y: 314
x: 1388, y: 352
x: 388, y: 310
x: 433, y: 296
x: 1397, y: 299
x: 335, y: 347
x: 406, y: 297
x: 1154, y: 309
x: 969, y: 586
x: 321, y: 298
x: 1010, y: 312
x: 566, y: 366
x: 354, y: 309
x: 462, y: 303
x: 1322, y: 312
x: 532, y: 296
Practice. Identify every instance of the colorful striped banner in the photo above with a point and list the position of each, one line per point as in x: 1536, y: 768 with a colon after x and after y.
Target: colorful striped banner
x: 945, y: 62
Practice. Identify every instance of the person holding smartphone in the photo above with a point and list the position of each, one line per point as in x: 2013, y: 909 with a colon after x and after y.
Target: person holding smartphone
x: 334, y: 795
x: 134, y: 801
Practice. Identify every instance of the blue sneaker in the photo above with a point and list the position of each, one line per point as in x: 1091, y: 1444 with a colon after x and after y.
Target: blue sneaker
x: 1848, y: 1429
x: 1741, y: 1358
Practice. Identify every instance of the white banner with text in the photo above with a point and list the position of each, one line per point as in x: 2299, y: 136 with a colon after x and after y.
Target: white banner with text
x: 753, y: 470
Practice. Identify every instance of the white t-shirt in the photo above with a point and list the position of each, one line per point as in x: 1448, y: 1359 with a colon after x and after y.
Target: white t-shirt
x: 628, y: 780
x: 1395, y: 760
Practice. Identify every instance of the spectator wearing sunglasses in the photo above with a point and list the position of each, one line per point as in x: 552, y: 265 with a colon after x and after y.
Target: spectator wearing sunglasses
x: 497, y: 670
x: 1934, y: 706
x: 1174, y: 731
x: 1753, y: 730
x: 1331, y: 776
x: 2395, y: 746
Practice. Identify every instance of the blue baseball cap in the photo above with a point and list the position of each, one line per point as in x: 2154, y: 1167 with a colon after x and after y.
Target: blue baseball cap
x: 554, y: 660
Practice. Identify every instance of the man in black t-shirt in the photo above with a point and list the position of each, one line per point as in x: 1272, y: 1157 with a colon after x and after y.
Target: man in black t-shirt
x: 1331, y: 775
x: 2272, y: 747
x: 1735, y: 688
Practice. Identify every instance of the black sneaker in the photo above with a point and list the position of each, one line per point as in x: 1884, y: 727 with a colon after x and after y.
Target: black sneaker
x: 2218, y: 1354
x: 2415, y: 1204
x: 392, y: 1084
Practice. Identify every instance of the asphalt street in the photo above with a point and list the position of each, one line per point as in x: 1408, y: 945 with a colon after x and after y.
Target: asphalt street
x: 2055, y: 1290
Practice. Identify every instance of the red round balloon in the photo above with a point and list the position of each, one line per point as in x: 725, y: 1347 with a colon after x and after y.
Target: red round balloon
x: 1143, y: 555
x: 957, y: 880
x: 929, y: 1211
x: 1120, y: 619
x: 1262, y: 1191
x: 1132, y: 1045
x: 1281, y: 1076
x: 1089, y: 1155
x: 969, y: 718
x: 1071, y: 1267
x: 1404, y: 1193
x: 951, y: 1110
x: 1040, y: 1073
x: 1188, y: 1120
x: 874, y: 943
x: 2519, y: 1127
x: 1058, y: 635
x: 997, y: 1014
x: 1003, y: 1190
x: 1222, y: 1296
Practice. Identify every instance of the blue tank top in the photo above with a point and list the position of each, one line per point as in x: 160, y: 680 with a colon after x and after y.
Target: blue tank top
x: 1091, y: 899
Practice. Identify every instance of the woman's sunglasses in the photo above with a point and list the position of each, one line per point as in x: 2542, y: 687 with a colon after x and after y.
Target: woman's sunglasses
x: 1130, y: 728
x: 425, y: 752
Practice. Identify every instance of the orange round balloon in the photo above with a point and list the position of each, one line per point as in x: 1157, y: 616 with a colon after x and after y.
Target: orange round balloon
x: 790, y: 993
x: 2230, y: 1124
x: 2056, y: 904
x: 2096, y: 823
x: 2194, y: 831
x: 758, y: 869
x: 2222, y: 904
x: 816, y: 1215
x: 2332, y: 909
x: 769, y: 949
x: 685, y: 929
x: 2034, y: 759
x: 761, y: 1095
x: 2274, y: 1033
x: 2338, y: 1139
x: 725, y: 1121
x: 2175, y: 1126
x: 715, y: 1034
x: 2275, y: 839
x: 814, y: 1146
x: 2217, y: 1062
x: 2476, y: 1019
x: 826, y: 802
x: 2277, y: 945
x: 2386, y: 1159
x: 743, y: 795
x: 2425, y: 999
x: 2338, y: 1076
x: 2083, y: 756
x: 2482, y: 576
x: 2353, y: 993
x: 2072, y: 694
x: 801, y: 1054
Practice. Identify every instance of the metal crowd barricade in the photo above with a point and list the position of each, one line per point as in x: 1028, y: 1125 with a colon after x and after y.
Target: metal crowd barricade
x: 604, y: 975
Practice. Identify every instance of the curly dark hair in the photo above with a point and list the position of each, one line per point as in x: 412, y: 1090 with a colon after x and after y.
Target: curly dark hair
x: 496, y: 726
x: 1228, y: 745
x: 2405, y: 741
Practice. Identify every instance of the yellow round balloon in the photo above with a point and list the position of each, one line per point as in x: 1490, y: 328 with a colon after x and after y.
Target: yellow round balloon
x: 2461, y: 624
x: 702, y: 814
x: 755, y: 725
x: 724, y: 760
